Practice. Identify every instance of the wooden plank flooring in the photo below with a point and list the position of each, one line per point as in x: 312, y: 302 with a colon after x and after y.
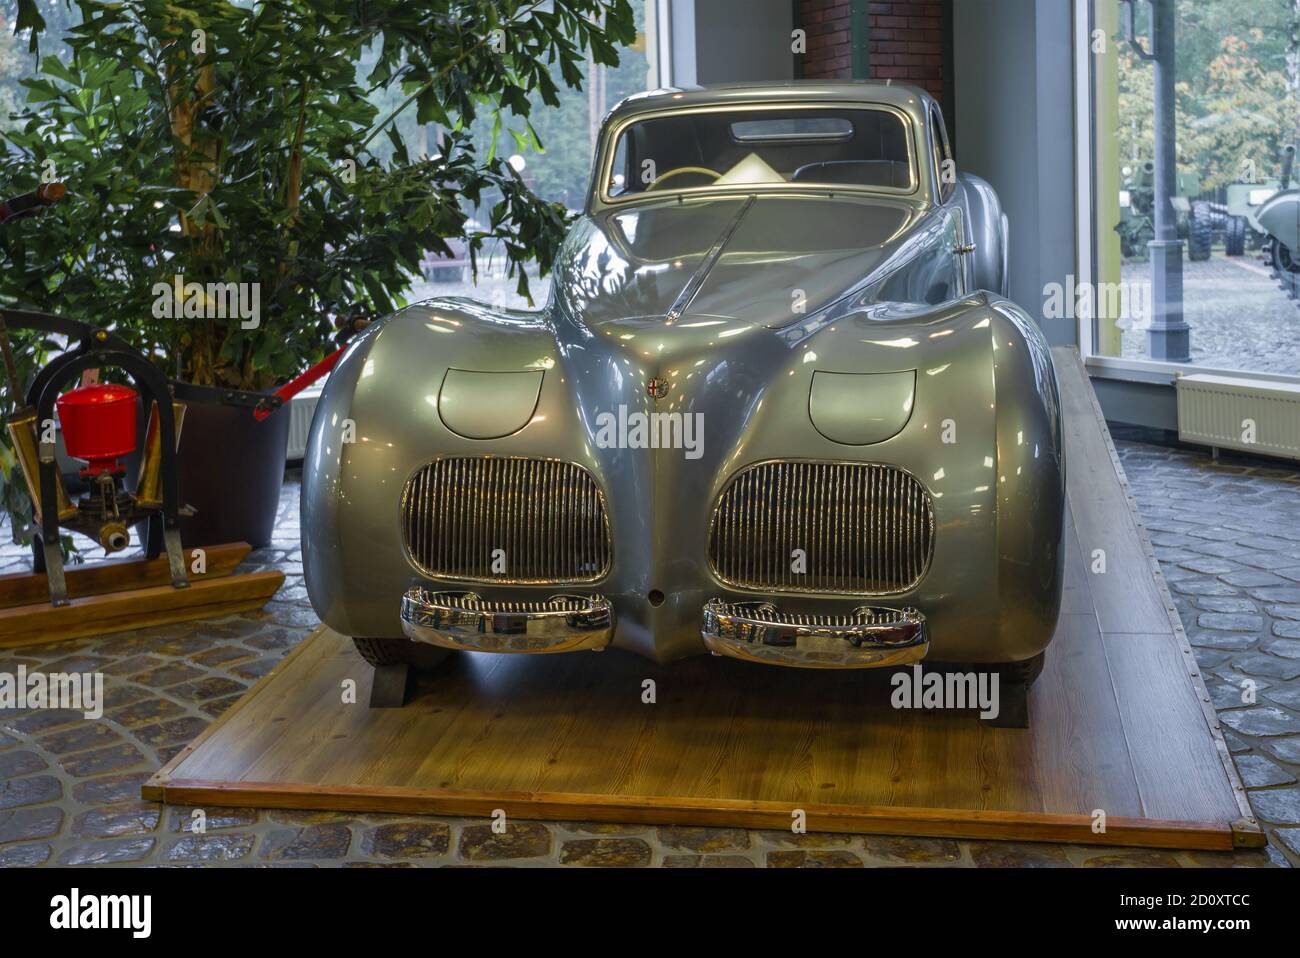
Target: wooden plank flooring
x: 1104, y: 517
x: 1119, y: 725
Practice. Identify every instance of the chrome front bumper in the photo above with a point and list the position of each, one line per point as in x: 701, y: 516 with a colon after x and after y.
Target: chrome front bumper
x: 464, y: 621
x: 869, y: 637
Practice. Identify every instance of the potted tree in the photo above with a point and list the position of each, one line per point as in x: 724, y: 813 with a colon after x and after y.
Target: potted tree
x: 229, y: 206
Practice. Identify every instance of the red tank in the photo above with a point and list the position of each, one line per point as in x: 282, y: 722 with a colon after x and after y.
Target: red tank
x: 99, y: 425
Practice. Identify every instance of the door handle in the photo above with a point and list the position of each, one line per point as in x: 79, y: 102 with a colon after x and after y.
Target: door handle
x: 963, y: 248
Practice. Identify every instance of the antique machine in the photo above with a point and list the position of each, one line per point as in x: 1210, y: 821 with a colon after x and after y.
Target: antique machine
x: 99, y: 424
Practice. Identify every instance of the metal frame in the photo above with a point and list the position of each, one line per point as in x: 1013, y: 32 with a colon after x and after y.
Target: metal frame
x: 97, y: 348
x: 665, y: 28
x: 1085, y: 162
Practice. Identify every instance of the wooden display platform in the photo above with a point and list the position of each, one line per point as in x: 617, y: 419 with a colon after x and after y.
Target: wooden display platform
x: 115, y: 594
x: 1120, y: 723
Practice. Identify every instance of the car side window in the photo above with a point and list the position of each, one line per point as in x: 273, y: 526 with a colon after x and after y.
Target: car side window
x: 942, y: 155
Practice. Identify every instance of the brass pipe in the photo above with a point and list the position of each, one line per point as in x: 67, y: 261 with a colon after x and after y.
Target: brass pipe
x: 22, y: 433
x: 148, y: 490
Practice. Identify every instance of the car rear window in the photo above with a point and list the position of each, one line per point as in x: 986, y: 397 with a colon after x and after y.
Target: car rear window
x: 862, y: 148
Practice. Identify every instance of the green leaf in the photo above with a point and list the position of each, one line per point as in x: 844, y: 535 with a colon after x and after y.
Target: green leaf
x: 29, y: 18
x: 496, y: 133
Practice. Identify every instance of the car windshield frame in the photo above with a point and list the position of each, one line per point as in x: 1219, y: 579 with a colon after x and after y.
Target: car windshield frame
x: 600, y: 195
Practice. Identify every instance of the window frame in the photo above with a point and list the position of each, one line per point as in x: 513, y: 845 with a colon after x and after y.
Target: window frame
x: 1086, y: 252
x: 601, y: 199
x: 942, y: 151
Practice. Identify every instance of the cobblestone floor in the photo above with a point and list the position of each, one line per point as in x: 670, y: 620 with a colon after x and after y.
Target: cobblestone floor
x: 1239, y: 316
x: 1228, y: 537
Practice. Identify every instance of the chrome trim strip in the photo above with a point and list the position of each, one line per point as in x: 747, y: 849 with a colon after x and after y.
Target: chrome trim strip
x: 869, y: 637
x: 464, y: 621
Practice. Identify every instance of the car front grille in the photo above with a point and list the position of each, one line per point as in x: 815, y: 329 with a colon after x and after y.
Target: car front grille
x: 863, y: 528
x: 546, y: 517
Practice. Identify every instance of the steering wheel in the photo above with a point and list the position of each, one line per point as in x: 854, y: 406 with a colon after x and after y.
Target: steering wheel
x: 654, y: 184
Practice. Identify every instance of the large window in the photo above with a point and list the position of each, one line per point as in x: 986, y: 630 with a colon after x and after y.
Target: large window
x: 1236, y: 105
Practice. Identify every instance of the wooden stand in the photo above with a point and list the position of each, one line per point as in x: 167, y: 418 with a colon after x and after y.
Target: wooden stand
x: 1123, y: 749
x: 390, y: 686
x: 118, y: 594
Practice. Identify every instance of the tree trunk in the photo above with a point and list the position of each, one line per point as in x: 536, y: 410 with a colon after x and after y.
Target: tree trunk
x: 196, y: 166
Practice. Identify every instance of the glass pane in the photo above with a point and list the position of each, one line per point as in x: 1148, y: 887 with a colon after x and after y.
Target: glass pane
x: 866, y: 148
x: 1237, y: 98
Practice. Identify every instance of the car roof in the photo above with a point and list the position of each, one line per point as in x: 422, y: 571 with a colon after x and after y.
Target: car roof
x: 867, y: 92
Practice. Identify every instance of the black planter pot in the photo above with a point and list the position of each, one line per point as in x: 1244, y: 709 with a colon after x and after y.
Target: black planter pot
x: 232, y: 468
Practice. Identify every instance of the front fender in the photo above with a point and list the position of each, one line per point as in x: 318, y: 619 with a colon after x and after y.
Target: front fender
x: 1030, y: 481
x: 378, y: 421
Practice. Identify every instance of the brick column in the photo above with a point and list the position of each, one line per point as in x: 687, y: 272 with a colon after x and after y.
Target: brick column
x: 907, y: 40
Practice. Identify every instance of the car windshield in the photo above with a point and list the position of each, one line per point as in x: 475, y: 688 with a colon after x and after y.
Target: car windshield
x: 864, y: 148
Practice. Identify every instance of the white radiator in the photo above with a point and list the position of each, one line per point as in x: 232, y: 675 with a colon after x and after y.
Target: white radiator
x: 301, y: 408
x: 1250, y: 415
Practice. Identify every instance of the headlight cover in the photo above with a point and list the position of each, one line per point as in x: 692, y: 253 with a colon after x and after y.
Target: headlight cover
x: 858, y: 409
x: 488, y: 405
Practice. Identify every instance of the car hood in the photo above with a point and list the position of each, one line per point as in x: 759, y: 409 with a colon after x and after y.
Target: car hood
x: 758, y: 259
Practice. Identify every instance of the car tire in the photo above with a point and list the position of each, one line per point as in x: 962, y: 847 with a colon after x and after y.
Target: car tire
x: 1024, y: 673
x: 1200, y: 232
x: 1014, y: 682
x: 1235, y: 236
x: 420, y: 656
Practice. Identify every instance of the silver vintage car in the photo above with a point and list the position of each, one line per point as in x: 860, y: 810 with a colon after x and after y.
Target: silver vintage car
x: 777, y: 407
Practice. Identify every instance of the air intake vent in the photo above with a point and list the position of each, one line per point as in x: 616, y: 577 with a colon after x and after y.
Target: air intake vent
x: 863, y: 528
x: 547, y: 517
